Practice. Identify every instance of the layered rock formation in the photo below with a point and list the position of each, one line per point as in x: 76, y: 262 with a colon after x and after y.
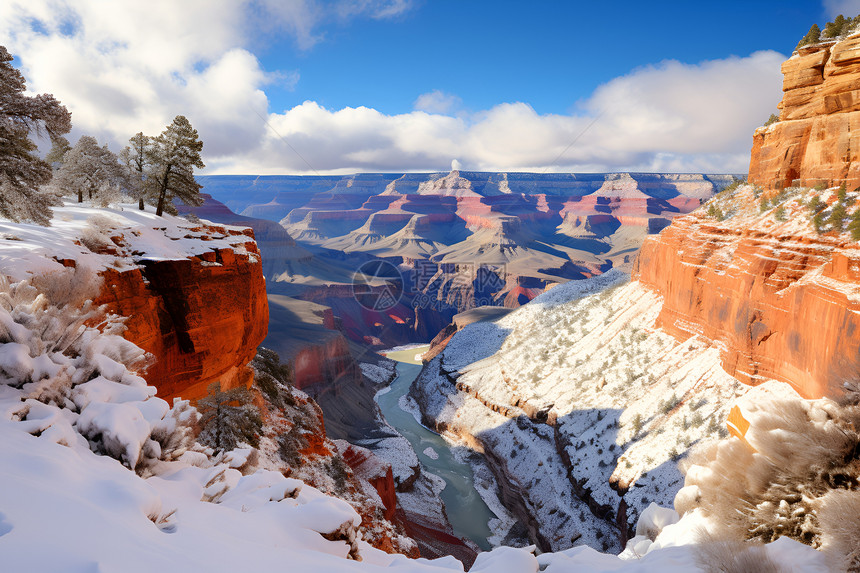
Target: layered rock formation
x: 781, y: 301
x: 201, y: 318
x: 779, y: 296
x: 460, y: 240
x: 817, y: 139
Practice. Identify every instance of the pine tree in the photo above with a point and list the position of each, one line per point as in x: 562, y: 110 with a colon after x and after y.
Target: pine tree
x: 229, y: 418
x: 60, y: 146
x: 173, y: 156
x: 811, y: 37
x: 837, y: 216
x: 136, y: 158
x: 89, y: 168
x: 22, y: 172
x: 854, y: 225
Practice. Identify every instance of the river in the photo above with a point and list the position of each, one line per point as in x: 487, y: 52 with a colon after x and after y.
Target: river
x: 467, y: 512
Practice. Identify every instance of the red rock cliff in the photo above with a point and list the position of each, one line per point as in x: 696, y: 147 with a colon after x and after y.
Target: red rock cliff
x: 817, y: 139
x: 779, y: 299
x: 202, y: 318
x: 778, y: 306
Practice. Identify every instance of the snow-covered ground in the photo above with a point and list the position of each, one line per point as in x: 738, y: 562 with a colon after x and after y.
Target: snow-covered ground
x: 99, y: 238
x: 97, y: 474
x: 576, y: 398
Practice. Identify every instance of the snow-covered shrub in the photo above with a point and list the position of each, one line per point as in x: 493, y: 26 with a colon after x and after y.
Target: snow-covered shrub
x: 733, y: 556
x: 96, y: 236
x: 839, y: 516
x: 800, y: 458
x: 229, y: 418
x: 177, y: 432
x: 75, y: 381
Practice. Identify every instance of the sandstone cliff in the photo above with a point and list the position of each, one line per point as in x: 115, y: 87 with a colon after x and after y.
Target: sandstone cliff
x: 817, y: 139
x: 750, y: 271
x: 781, y: 301
x: 202, y: 317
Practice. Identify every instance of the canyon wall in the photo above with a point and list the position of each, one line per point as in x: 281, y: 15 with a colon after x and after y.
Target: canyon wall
x: 779, y: 306
x: 201, y: 318
x: 817, y: 137
x: 780, y: 297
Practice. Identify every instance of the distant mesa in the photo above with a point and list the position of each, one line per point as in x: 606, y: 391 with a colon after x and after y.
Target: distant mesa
x: 461, y: 239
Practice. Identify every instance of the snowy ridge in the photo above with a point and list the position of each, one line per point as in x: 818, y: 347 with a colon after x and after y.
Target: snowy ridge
x: 574, y: 399
x: 101, y: 238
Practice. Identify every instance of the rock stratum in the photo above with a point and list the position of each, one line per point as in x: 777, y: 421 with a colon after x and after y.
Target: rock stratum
x: 753, y: 274
x: 201, y: 318
x: 817, y: 138
x: 460, y: 240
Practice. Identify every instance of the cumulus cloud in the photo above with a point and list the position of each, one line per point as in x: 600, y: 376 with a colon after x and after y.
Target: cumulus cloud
x: 122, y: 67
x: 667, y: 117
x: 848, y: 8
x: 437, y: 102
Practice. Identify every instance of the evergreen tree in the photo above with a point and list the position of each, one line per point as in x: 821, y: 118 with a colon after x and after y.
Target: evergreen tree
x: 60, y: 146
x: 22, y: 172
x: 135, y: 157
x: 811, y: 37
x: 854, y: 225
x: 88, y: 168
x: 837, y: 216
x: 173, y: 156
x: 229, y: 418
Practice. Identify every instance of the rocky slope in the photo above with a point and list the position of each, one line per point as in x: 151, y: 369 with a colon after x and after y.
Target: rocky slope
x: 816, y: 140
x: 770, y: 272
x: 780, y: 300
x: 581, y: 407
x: 460, y: 240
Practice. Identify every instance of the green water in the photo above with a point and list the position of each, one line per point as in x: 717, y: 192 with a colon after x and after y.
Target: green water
x: 466, y: 511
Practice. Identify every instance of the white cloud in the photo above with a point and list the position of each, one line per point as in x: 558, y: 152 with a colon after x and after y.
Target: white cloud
x: 121, y: 67
x: 849, y: 8
x: 666, y: 117
x: 436, y: 102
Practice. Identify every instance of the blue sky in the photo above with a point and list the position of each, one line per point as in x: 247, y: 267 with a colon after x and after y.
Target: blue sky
x: 339, y: 86
x: 549, y: 54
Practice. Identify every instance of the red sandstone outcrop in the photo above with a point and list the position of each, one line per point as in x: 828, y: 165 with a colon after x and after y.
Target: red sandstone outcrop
x: 201, y: 318
x: 371, y: 468
x: 817, y: 139
x: 780, y: 300
x: 778, y: 306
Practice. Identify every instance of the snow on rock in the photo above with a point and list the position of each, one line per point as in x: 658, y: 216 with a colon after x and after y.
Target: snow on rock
x: 575, y: 400
x: 86, y: 234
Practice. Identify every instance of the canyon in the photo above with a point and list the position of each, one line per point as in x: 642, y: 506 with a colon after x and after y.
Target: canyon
x: 458, y: 240
x: 750, y: 296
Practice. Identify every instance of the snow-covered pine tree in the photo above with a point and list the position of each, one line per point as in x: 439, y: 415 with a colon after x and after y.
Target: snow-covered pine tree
x: 136, y: 157
x: 60, y: 146
x: 228, y: 418
x: 22, y: 172
x: 173, y: 156
x: 89, y: 168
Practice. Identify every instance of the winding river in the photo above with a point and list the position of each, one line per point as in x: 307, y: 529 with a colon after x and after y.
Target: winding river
x: 467, y: 512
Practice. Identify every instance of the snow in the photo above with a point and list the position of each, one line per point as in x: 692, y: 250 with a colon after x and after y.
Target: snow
x: 628, y: 401
x: 86, y: 482
x: 431, y: 453
x: 28, y: 249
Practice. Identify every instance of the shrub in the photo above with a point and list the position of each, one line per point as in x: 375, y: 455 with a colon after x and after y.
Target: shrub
x: 771, y: 120
x: 805, y: 459
x: 780, y: 214
x: 854, y: 225
x: 229, y: 418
